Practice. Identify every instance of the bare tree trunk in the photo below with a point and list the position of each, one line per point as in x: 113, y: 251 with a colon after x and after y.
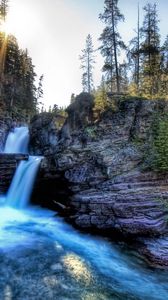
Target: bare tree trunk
x: 89, y: 87
x: 111, y: 72
x: 115, y: 51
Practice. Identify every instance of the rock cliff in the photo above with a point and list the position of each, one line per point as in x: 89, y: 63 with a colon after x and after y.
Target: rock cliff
x: 99, y: 172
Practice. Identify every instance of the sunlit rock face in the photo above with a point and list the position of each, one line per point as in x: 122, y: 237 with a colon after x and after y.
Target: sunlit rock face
x: 103, y: 165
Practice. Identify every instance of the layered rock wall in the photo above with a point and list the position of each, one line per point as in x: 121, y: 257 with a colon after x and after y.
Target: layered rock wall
x: 104, y: 167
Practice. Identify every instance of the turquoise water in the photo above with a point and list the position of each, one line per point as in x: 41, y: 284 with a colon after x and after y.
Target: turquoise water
x: 41, y: 257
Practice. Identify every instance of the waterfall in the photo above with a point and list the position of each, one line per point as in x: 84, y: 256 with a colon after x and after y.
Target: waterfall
x: 21, y: 186
x: 17, y: 141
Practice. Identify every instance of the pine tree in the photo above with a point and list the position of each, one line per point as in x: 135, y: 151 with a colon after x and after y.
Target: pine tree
x: 134, y: 57
x: 3, y: 13
x: 150, y: 49
x: 18, y: 93
x: 164, y: 52
x: 19, y: 90
x: 28, y: 83
x: 3, y: 10
x: 158, y: 154
x: 72, y: 98
x: 123, y: 76
x: 164, y: 69
x: 100, y: 99
x: 111, y: 43
x: 87, y: 60
x: 39, y: 92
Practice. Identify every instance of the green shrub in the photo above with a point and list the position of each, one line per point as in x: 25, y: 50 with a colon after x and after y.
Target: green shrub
x: 91, y: 132
x: 159, y: 149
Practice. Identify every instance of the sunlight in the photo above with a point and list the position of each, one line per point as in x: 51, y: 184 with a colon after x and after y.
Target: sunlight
x: 19, y: 24
x: 11, y: 24
x: 3, y: 55
x: 77, y: 268
x: 4, y: 27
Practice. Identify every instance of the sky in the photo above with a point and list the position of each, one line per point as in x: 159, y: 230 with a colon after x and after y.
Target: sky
x: 54, y: 32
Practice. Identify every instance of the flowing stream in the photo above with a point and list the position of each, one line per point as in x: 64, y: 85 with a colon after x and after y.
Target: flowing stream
x: 41, y: 257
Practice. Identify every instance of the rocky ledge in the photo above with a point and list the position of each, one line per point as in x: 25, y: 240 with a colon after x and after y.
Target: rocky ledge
x: 100, y: 169
x: 155, y: 250
x: 130, y: 209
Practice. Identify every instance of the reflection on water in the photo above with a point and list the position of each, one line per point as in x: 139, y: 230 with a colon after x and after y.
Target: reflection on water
x: 41, y: 257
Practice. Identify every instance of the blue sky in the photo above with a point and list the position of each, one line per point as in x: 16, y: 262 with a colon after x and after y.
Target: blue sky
x: 54, y: 31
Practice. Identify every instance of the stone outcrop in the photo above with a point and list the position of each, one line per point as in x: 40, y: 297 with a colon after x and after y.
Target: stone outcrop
x: 103, y: 166
x: 130, y: 209
x: 80, y: 111
x: 44, y: 134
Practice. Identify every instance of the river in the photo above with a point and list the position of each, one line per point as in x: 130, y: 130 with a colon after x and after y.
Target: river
x: 42, y: 257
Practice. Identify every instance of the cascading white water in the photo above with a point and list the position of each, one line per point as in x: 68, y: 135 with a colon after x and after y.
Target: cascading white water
x: 17, y: 141
x: 22, y: 184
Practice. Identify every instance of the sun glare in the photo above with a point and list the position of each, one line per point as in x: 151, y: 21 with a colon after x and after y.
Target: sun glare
x: 19, y: 24
x: 9, y: 25
x: 4, y: 27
